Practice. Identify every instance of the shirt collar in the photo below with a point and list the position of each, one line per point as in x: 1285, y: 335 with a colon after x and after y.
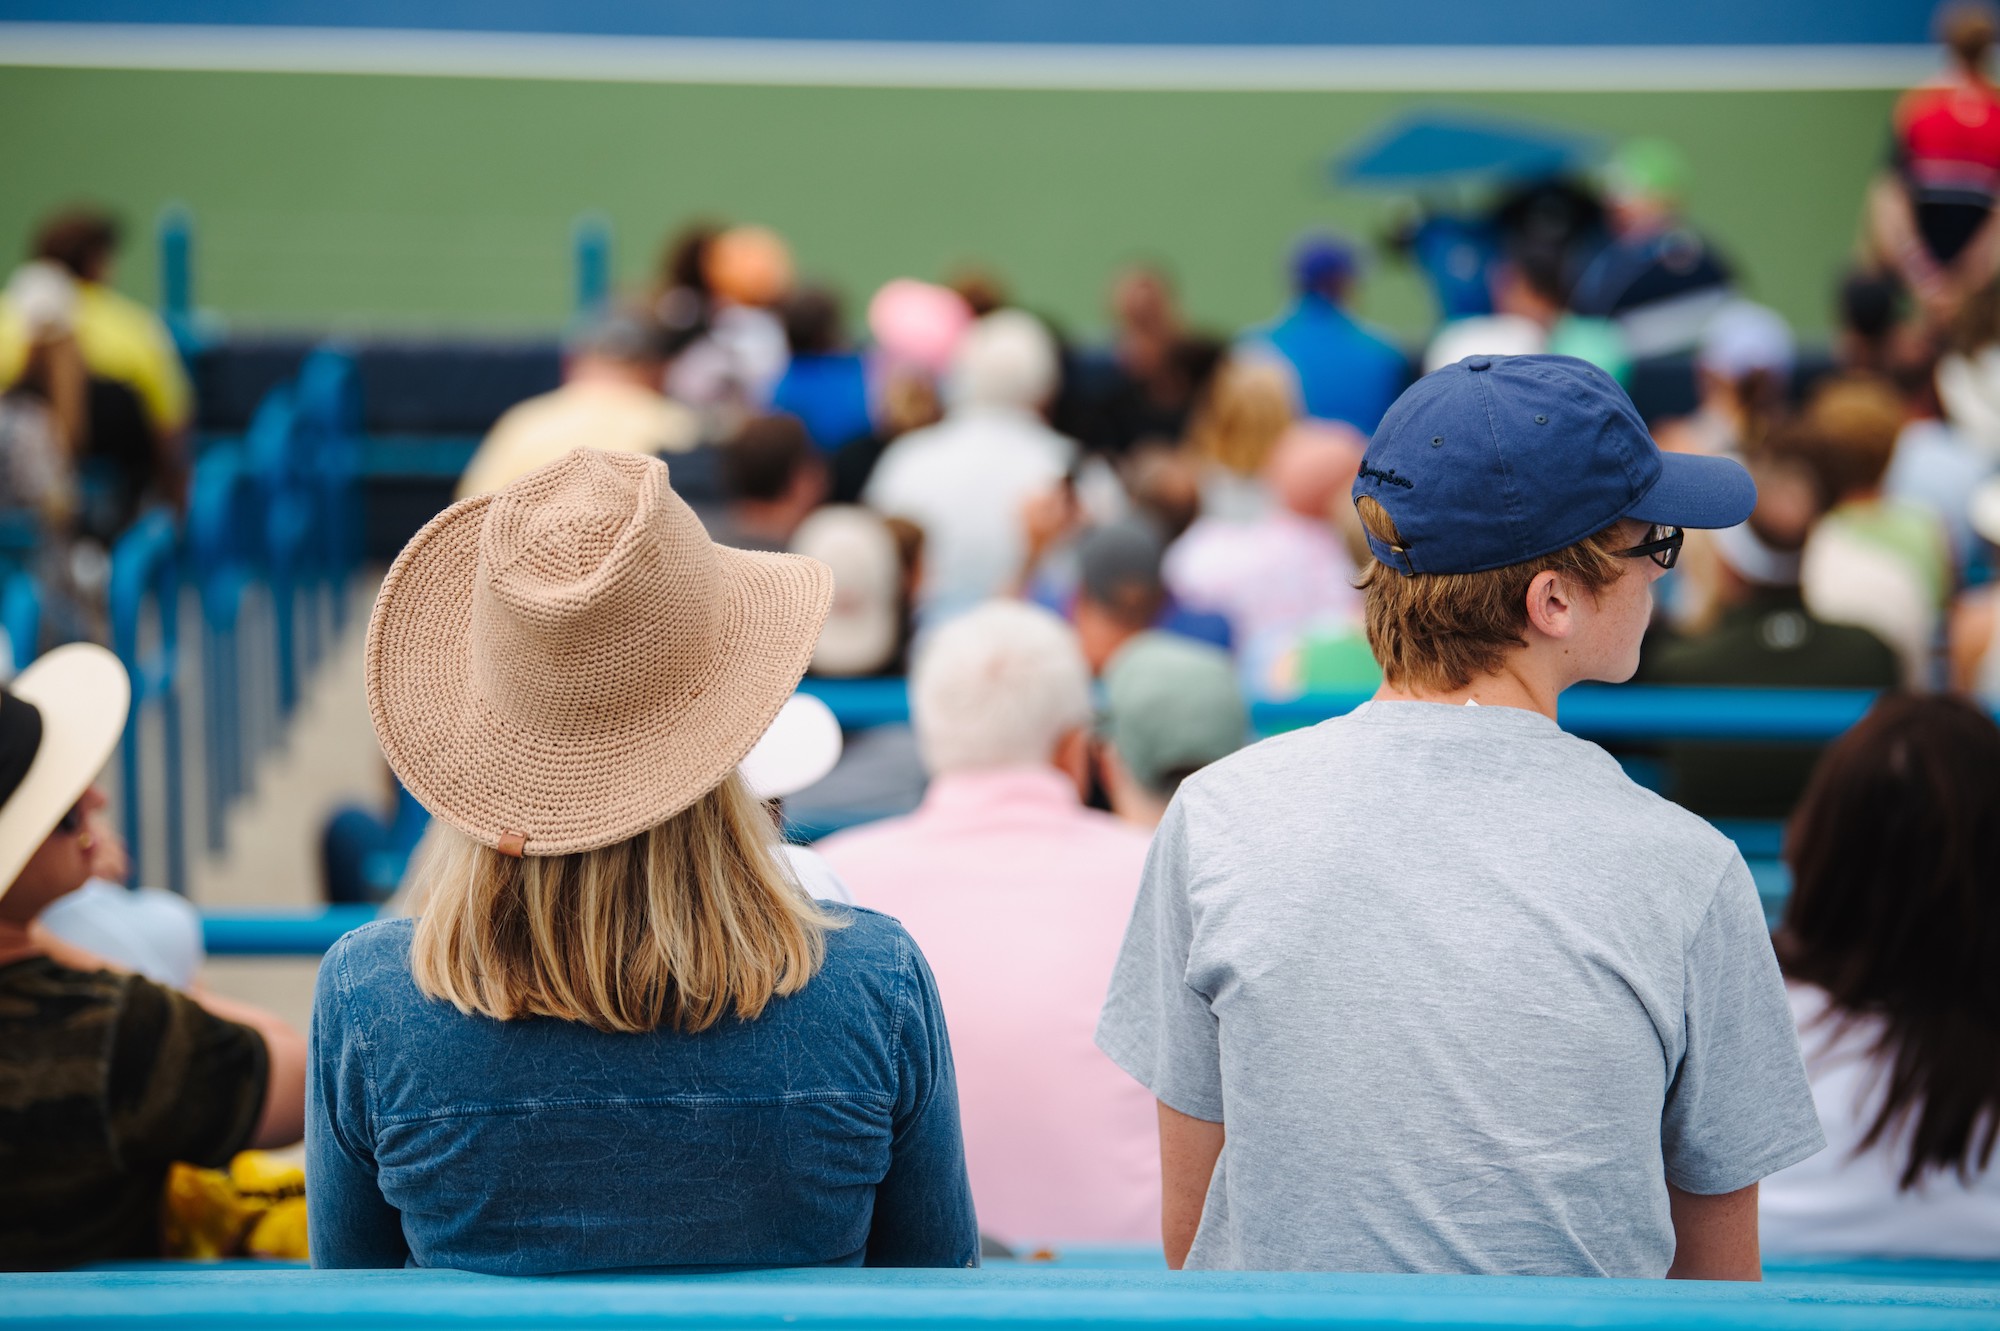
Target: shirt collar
x: 957, y: 794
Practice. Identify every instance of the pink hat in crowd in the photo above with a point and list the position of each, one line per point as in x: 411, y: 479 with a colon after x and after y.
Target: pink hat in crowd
x: 918, y: 323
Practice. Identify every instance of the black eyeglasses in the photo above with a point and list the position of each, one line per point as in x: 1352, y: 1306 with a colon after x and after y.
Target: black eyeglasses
x: 72, y: 822
x: 1662, y: 546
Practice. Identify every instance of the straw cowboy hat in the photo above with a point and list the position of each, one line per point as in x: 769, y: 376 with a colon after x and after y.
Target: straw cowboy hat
x: 60, y: 721
x: 568, y: 661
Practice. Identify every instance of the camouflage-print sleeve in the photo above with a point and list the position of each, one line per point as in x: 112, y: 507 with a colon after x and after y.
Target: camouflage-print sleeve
x: 183, y: 1084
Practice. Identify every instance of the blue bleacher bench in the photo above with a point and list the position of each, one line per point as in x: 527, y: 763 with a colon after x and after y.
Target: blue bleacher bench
x: 279, y: 933
x: 799, y: 1300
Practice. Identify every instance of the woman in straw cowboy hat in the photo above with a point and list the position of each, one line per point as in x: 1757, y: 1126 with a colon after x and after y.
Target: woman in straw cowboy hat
x: 619, y: 1035
x: 106, y: 1079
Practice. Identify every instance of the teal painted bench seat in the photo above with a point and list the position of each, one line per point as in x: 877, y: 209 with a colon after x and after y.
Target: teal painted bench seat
x: 989, y: 1300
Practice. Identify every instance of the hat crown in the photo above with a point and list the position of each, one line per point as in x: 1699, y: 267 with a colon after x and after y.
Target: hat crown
x: 1496, y: 460
x: 596, y: 587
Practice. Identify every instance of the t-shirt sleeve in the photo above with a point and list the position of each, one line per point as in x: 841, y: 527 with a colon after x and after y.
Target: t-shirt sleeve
x: 1739, y: 1107
x: 184, y: 1084
x: 1154, y: 1025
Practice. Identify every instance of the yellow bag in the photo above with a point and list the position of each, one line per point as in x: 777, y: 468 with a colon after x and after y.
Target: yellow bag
x: 255, y: 1208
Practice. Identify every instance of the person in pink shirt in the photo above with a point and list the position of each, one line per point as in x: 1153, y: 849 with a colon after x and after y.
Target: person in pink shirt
x: 1286, y: 569
x: 1019, y: 896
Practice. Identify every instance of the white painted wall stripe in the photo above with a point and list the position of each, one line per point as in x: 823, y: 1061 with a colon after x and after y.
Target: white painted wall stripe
x: 963, y: 65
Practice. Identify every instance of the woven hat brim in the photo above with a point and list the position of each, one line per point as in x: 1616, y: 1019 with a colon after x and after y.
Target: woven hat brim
x: 83, y: 694
x: 573, y: 792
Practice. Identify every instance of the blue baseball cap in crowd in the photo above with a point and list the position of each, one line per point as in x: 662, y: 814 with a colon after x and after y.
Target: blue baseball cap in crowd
x: 1501, y: 459
x: 1321, y: 258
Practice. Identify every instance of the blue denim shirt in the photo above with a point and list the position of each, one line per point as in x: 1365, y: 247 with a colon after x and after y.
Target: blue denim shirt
x: 823, y: 1133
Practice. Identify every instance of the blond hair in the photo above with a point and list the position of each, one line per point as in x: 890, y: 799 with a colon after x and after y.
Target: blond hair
x: 676, y: 926
x: 1440, y: 631
x: 1247, y: 408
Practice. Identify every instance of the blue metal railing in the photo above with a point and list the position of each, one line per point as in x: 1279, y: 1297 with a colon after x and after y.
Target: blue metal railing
x: 1594, y: 711
x: 21, y: 615
x: 590, y: 240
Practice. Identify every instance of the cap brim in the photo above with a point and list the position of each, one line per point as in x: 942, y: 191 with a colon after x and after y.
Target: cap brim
x: 83, y: 694
x: 593, y: 789
x: 1697, y: 491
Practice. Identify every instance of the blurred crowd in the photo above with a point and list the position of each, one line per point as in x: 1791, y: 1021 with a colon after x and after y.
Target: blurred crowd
x: 1090, y: 559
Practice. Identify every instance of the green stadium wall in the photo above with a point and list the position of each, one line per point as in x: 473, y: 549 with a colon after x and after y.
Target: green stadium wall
x: 382, y: 202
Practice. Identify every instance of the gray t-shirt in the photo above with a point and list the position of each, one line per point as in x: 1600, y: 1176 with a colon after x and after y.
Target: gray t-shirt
x: 1466, y: 998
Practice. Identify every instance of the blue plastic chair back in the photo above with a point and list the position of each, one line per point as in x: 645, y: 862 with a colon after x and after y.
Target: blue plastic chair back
x: 21, y: 535
x: 329, y: 408
x: 274, y: 447
x: 21, y: 614
x: 221, y: 509
x: 145, y: 568
x: 224, y: 545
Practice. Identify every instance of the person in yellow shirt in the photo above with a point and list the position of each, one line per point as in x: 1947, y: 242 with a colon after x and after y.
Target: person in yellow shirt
x: 139, y: 402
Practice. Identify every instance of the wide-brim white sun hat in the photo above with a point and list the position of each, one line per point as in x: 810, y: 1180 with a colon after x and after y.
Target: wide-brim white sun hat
x: 864, y: 628
x: 566, y: 662
x: 1984, y: 510
x: 801, y: 746
x: 82, y: 694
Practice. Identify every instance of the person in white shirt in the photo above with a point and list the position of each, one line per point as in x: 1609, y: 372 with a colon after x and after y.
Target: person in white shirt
x: 1888, y: 946
x: 966, y: 480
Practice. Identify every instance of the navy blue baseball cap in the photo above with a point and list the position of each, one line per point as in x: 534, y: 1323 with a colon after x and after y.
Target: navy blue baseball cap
x: 1321, y: 258
x: 1501, y: 459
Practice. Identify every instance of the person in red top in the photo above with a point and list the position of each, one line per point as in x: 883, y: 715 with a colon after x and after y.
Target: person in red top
x: 1931, y: 217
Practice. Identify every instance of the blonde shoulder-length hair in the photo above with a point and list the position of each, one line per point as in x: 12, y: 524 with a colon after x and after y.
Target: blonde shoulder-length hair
x: 675, y: 927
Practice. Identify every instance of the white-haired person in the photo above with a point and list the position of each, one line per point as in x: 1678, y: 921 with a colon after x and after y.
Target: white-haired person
x: 967, y: 479
x: 619, y: 1035
x: 106, y: 1078
x: 1019, y: 895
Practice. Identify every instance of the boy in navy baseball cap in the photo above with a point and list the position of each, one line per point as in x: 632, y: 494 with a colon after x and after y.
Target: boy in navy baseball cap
x: 1505, y: 499
x: 1463, y: 997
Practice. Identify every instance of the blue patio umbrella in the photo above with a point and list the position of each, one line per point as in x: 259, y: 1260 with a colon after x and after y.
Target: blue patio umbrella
x: 1430, y: 148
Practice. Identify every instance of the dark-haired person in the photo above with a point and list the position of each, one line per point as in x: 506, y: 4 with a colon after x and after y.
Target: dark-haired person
x: 1434, y: 986
x: 772, y: 478
x: 139, y: 401
x: 1889, y: 946
x: 825, y: 384
x: 106, y: 1079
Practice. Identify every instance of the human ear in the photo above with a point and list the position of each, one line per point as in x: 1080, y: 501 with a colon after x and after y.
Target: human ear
x: 1551, y: 610
x: 1072, y: 759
